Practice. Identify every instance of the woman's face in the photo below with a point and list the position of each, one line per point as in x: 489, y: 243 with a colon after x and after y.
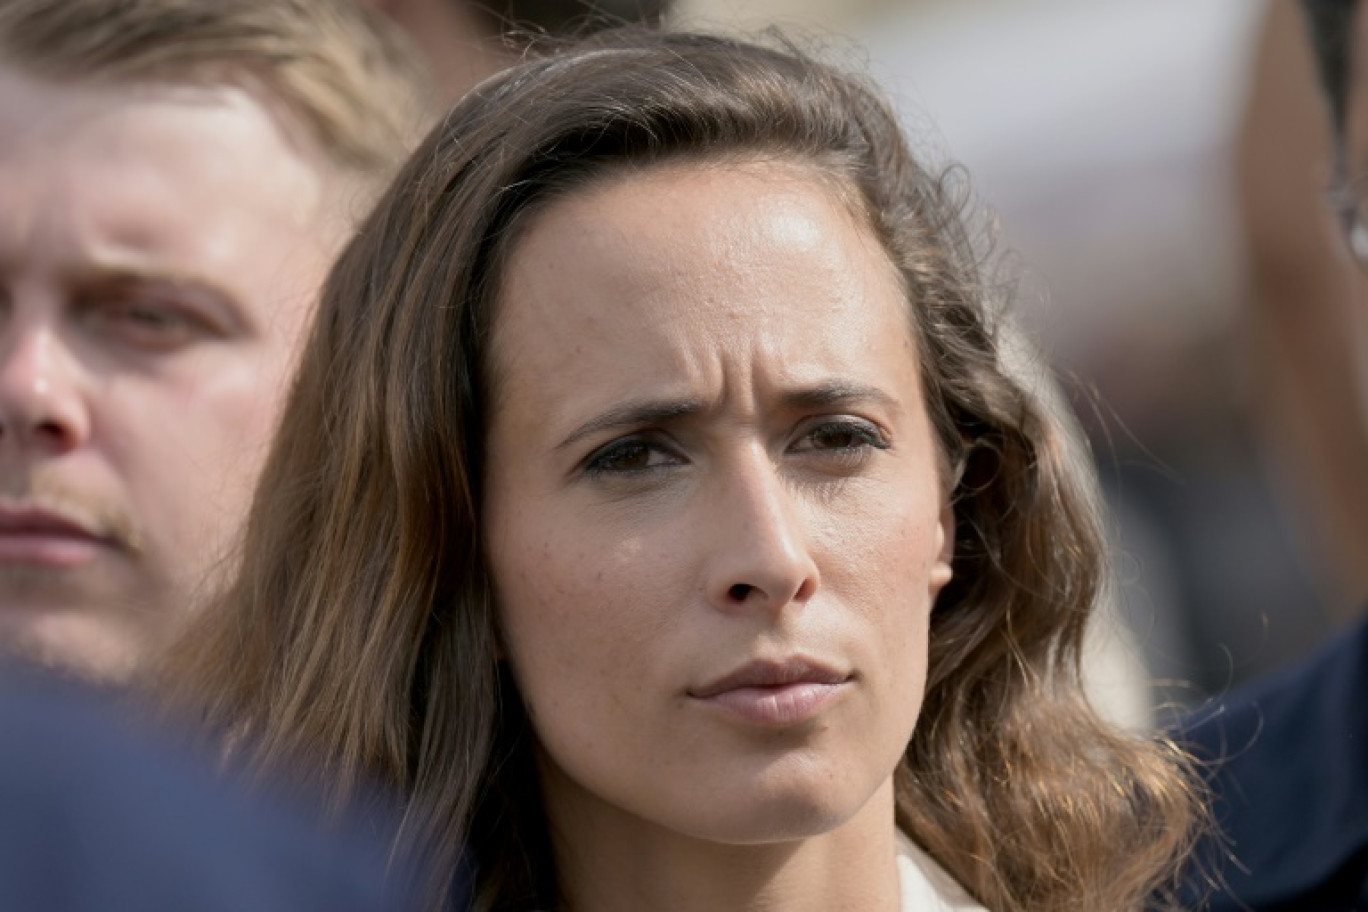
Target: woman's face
x: 715, y: 522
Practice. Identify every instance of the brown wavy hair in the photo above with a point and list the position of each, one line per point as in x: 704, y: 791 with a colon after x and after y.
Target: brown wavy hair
x: 341, y: 72
x: 360, y: 640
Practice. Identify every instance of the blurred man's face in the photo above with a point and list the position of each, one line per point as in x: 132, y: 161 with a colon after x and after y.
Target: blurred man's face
x: 1355, y: 164
x: 160, y: 251
x: 1356, y: 113
x: 1356, y: 123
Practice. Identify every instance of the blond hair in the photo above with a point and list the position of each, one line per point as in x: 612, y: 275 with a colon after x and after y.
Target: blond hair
x: 360, y: 640
x: 340, y: 71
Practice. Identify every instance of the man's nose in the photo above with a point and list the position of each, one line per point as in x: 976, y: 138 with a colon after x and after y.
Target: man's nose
x: 42, y: 406
x: 761, y: 554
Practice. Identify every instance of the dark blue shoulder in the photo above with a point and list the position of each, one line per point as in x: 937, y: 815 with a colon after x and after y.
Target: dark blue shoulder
x: 1287, y: 762
x: 99, y: 813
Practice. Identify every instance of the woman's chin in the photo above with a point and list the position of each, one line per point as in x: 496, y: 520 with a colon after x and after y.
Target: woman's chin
x: 770, y: 813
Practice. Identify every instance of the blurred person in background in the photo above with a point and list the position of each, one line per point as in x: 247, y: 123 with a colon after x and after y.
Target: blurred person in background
x: 465, y: 41
x: 175, y: 179
x: 1306, y: 331
x: 1289, y: 755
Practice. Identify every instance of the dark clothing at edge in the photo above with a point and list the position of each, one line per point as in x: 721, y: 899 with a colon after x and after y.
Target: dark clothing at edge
x: 95, y: 815
x: 1288, y: 764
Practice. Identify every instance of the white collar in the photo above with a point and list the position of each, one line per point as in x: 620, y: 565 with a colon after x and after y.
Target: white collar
x: 926, y: 886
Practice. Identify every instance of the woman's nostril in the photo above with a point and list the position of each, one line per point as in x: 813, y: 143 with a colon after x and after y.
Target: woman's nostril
x: 740, y: 591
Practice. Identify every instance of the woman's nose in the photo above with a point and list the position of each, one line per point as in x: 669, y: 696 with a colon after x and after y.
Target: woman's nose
x: 760, y: 555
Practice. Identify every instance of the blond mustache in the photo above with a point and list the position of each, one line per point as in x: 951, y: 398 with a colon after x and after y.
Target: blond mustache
x: 95, y: 515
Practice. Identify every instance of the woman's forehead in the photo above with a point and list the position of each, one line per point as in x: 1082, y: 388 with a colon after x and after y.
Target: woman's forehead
x: 746, y: 214
x: 690, y: 278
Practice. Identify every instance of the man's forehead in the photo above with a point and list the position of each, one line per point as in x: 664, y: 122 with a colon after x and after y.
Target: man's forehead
x: 192, y: 181
x: 29, y: 102
x: 205, y: 134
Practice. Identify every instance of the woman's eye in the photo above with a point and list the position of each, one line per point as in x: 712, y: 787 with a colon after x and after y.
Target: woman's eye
x: 842, y: 436
x: 629, y: 456
x: 839, y: 446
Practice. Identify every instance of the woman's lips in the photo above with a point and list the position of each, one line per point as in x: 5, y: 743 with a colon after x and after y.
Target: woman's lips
x: 788, y: 704
x: 775, y: 694
x: 45, y: 538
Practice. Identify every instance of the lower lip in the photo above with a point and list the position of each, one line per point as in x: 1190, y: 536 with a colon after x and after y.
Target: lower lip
x: 789, y: 704
x: 47, y: 549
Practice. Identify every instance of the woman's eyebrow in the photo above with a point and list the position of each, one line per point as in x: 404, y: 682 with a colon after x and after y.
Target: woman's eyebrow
x: 635, y: 414
x: 646, y: 412
x: 835, y: 392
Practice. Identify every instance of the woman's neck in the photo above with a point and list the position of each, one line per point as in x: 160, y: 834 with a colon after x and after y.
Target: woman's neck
x: 610, y: 861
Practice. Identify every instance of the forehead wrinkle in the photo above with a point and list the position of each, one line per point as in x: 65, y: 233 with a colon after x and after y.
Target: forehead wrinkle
x: 700, y: 358
x: 526, y: 311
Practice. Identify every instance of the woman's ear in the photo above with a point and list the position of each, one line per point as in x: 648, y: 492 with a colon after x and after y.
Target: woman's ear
x: 943, y: 569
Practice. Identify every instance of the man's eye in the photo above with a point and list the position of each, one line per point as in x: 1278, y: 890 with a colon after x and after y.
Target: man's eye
x: 155, y: 325
x: 629, y: 456
x: 150, y: 317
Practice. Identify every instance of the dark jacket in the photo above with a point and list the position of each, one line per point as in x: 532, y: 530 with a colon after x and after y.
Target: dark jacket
x: 1288, y: 765
x: 97, y: 815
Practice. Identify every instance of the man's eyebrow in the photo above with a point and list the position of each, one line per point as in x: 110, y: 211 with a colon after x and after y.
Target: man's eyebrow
x: 132, y: 275
x: 637, y: 413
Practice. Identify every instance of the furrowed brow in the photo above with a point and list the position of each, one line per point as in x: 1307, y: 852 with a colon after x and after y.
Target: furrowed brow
x: 641, y: 413
x: 834, y: 393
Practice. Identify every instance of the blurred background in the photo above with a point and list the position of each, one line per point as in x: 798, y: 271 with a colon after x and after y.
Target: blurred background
x: 1157, y: 172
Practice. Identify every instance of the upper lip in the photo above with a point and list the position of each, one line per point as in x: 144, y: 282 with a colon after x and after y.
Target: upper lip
x: 44, y: 521
x: 772, y: 673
